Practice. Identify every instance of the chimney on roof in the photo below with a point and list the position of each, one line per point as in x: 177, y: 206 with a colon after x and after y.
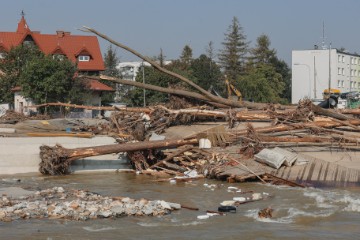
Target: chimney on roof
x: 67, y: 33
x: 60, y: 33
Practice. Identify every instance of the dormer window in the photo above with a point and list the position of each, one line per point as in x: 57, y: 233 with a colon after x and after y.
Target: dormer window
x: 84, y: 58
x: 59, y: 57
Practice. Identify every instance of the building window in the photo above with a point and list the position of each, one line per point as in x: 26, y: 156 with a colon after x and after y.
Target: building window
x: 84, y: 58
x: 343, y: 71
x: 339, y: 83
x: 339, y: 58
x: 339, y: 71
x: 351, y: 73
x: 358, y: 84
x: 59, y: 57
x: 343, y: 59
x: 355, y: 60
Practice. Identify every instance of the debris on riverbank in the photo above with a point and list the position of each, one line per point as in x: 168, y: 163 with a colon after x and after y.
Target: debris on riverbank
x: 59, y: 203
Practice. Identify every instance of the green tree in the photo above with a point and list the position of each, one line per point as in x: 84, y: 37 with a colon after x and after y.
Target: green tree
x: 235, y: 47
x: 210, y: 51
x: 264, y: 60
x: 48, y: 80
x: 262, y: 84
x: 12, y: 66
x: 161, y: 58
x: 111, y: 61
x: 262, y: 52
x: 206, y: 73
x: 186, y: 56
x: 135, y: 96
x: 284, y: 70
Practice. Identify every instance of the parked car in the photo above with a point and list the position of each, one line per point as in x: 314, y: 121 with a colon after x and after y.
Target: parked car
x: 350, y: 95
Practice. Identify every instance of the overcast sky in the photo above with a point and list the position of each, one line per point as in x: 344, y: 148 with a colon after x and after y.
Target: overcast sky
x: 148, y: 25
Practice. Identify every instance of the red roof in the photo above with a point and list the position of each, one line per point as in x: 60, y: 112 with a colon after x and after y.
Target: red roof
x: 95, y: 85
x: 59, y: 43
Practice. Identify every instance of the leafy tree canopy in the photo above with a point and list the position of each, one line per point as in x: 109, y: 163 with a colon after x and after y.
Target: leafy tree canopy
x: 235, y: 47
x: 48, y: 80
x: 262, y: 84
x: 206, y: 73
x: 12, y: 66
x: 262, y: 52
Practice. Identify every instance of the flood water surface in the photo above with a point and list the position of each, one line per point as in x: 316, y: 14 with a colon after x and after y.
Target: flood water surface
x: 331, y: 213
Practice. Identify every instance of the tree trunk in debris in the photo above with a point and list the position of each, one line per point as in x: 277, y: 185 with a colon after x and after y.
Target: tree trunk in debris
x: 282, y: 127
x: 179, y: 92
x: 350, y: 111
x: 329, y: 113
x: 205, y: 93
x: 56, y: 160
x: 296, y: 139
x: 115, y: 108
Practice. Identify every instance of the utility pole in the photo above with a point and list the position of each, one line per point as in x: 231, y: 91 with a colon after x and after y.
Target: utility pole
x: 314, y: 79
x: 143, y: 76
x: 329, y: 74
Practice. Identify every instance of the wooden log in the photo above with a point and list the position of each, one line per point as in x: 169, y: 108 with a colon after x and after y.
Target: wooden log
x: 56, y: 160
x: 282, y: 127
x: 296, y: 139
x: 179, y: 92
x: 171, y: 156
x: 114, y: 108
x: 157, y: 66
x: 350, y: 111
x: 328, y: 113
x: 60, y: 134
x: 281, y: 181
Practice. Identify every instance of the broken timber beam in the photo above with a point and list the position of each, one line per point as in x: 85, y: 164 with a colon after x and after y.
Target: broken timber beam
x: 56, y: 160
x: 125, y: 109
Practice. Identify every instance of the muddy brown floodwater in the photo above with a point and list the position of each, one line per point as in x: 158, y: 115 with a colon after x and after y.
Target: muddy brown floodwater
x: 311, y: 213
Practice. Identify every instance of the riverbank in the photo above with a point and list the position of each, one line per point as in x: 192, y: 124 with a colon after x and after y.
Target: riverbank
x: 323, y: 165
x: 21, y: 154
x: 298, y: 213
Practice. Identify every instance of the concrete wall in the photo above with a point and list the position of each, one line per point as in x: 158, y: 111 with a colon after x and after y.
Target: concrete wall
x: 310, y: 71
x: 21, y: 154
x: 3, y: 108
x: 21, y: 103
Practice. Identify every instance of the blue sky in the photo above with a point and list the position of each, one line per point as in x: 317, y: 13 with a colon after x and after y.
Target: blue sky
x: 148, y: 25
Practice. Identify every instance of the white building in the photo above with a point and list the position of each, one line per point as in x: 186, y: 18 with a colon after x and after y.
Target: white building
x: 129, y: 70
x: 313, y: 71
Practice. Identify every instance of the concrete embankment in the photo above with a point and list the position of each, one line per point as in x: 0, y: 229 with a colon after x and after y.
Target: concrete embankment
x: 21, y: 154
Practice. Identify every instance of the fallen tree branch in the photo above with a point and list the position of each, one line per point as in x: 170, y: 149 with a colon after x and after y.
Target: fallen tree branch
x: 158, y: 89
x: 56, y: 160
x: 205, y: 93
x: 171, y: 156
x: 113, y: 108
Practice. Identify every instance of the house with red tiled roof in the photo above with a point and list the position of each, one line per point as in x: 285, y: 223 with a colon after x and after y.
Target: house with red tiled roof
x: 82, y: 50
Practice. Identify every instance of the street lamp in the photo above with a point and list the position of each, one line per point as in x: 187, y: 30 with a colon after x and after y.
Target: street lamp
x: 143, y: 77
x: 308, y: 67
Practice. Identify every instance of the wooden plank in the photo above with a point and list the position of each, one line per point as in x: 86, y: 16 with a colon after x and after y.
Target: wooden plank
x: 59, y: 134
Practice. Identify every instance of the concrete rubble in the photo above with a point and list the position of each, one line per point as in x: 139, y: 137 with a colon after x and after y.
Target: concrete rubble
x: 60, y: 203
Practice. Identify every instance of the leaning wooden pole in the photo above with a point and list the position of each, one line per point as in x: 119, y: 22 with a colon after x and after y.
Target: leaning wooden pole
x: 157, y: 66
x: 56, y: 160
x: 208, y: 95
